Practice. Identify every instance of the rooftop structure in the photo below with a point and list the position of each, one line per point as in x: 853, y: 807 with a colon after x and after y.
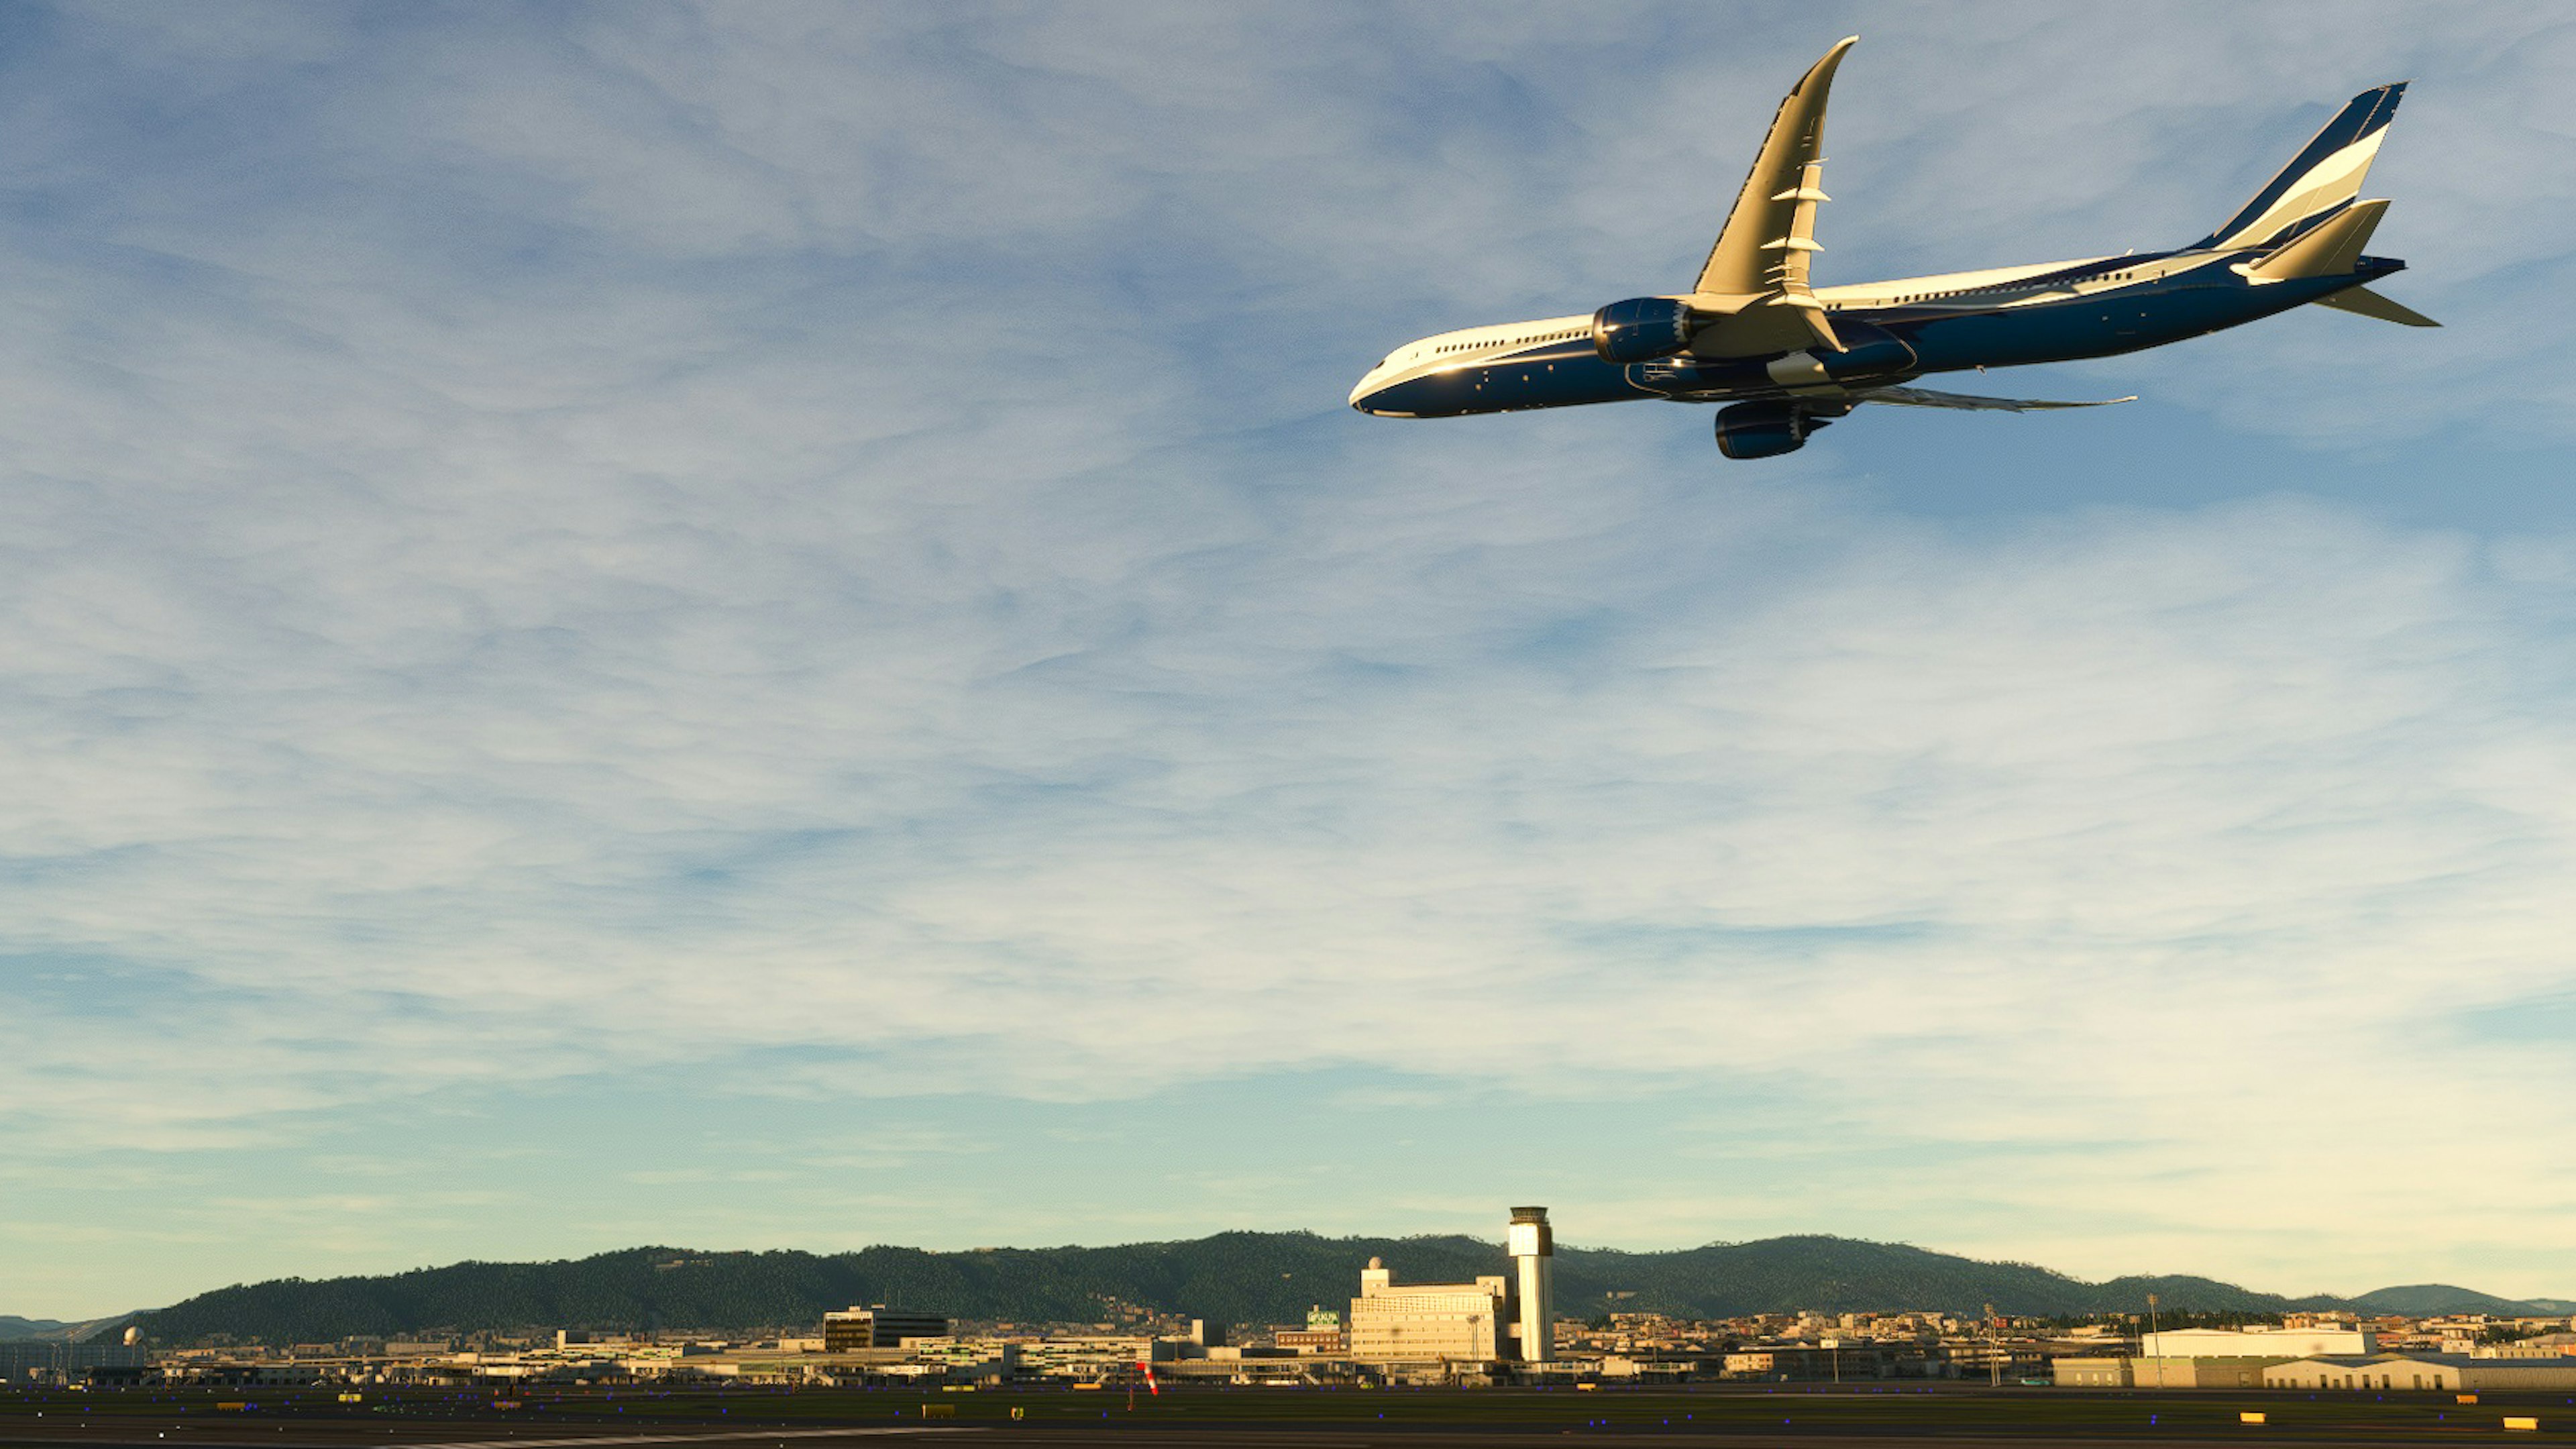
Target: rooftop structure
x: 2283, y: 1343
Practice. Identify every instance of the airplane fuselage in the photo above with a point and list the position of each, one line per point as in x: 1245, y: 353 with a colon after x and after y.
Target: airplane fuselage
x: 1891, y: 331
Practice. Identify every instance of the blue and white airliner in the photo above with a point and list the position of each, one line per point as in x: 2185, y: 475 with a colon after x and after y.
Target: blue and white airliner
x: 1788, y: 358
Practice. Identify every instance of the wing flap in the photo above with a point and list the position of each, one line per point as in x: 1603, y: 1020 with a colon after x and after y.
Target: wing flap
x: 1924, y: 397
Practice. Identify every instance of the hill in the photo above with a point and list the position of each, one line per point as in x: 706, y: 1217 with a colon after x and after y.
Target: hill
x: 1231, y: 1278
x: 50, y: 1329
x: 2427, y: 1298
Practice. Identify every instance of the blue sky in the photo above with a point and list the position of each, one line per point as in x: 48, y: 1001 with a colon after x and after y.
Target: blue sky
x: 764, y: 626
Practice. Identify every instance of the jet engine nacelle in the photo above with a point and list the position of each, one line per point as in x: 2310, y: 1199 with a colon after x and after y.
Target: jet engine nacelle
x: 1765, y: 429
x: 1870, y: 357
x: 1642, y: 329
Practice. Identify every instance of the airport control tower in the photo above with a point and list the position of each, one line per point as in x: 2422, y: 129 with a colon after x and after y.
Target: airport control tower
x: 1533, y: 1249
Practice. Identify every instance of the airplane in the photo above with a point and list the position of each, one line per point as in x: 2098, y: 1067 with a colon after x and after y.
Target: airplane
x: 1788, y: 357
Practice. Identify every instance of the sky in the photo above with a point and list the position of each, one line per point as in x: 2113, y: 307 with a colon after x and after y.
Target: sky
x: 765, y: 626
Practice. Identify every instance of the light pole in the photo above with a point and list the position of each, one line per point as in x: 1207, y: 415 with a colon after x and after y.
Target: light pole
x: 2156, y: 1333
x: 1994, y: 1349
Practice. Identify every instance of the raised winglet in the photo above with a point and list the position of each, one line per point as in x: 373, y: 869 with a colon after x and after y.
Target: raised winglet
x: 1762, y: 253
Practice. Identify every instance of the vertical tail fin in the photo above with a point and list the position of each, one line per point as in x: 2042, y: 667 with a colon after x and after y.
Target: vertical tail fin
x: 2321, y: 181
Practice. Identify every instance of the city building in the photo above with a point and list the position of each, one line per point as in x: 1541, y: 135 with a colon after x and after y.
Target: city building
x: 1322, y: 1333
x: 878, y: 1327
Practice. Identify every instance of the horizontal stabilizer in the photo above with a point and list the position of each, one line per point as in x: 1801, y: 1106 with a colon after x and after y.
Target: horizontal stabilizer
x: 2332, y: 250
x: 1924, y: 397
x: 2370, y: 304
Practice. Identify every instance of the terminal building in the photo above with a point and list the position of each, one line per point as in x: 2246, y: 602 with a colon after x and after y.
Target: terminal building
x: 1428, y: 1322
x: 1502, y: 1318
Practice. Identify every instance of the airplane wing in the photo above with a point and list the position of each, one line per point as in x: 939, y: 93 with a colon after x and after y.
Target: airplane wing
x: 1758, y: 270
x: 1924, y: 397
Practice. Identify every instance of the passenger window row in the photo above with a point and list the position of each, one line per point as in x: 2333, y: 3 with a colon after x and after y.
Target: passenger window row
x: 1912, y: 297
x: 1512, y: 342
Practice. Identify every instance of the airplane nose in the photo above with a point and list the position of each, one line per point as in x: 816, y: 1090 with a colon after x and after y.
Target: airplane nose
x: 1380, y: 398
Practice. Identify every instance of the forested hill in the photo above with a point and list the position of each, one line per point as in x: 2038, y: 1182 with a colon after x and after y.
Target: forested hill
x: 1230, y: 1278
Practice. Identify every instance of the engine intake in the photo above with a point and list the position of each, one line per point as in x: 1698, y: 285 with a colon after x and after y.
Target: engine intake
x: 1642, y: 329
x: 1765, y: 429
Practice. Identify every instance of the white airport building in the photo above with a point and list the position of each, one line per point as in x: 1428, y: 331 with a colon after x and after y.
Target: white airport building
x: 1428, y: 1322
x: 2276, y: 1343
x: 1493, y: 1319
x: 1533, y: 1252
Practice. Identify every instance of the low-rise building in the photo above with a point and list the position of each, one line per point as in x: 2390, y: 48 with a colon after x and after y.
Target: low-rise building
x: 2208, y: 1371
x: 2083, y: 1372
x: 1322, y: 1333
x: 2425, y: 1372
x: 2348, y: 1371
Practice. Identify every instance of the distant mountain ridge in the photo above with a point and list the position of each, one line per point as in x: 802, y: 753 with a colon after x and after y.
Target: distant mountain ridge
x: 1240, y: 1277
x: 46, y: 1329
x: 2418, y: 1299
